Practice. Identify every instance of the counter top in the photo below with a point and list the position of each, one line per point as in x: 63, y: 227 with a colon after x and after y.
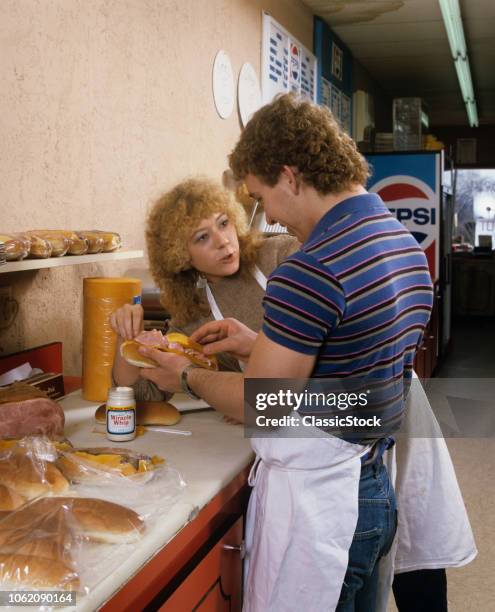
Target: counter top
x: 207, y: 460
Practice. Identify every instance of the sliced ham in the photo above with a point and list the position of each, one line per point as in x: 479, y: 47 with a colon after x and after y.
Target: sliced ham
x: 152, y: 338
x: 37, y: 416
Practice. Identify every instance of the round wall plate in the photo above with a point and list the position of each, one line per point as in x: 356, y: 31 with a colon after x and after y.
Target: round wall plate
x: 248, y: 92
x: 223, y: 85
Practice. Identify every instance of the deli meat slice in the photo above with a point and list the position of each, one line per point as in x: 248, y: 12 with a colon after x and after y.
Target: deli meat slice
x: 38, y: 416
x: 152, y: 338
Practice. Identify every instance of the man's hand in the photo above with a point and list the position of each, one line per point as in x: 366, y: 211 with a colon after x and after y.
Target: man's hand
x: 227, y: 335
x: 127, y: 321
x: 167, y: 376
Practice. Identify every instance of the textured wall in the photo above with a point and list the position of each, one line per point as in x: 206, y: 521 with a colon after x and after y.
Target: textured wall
x: 106, y: 103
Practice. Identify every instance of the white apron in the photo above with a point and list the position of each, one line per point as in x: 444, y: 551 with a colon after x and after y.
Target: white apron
x: 301, y: 520
x: 301, y: 517
x: 433, y: 530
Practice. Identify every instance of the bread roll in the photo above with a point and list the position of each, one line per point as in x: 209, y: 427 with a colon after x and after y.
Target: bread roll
x: 174, y: 342
x: 111, y: 240
x: 9, y: 499
x: 148, y: 413
x: 59, y: 242
x: 40, y: 247
x: 130, y: 352
x: 34, y: 572
x: 96, y: 243
x: 39, y: 536
x: 31, y: 479
x: 15, y: 247
x: 95, y: 519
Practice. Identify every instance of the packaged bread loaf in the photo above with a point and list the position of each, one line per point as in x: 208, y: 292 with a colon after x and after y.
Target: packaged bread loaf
x: 95, y: 241
x: 111, y: 240
x: 15, y: 247
x: 77, y: 245
x: 30, y: 476
x: 39, y: 247
x: 60, y: 244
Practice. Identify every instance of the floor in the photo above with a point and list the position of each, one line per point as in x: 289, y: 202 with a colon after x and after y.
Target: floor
x: 472, y: 355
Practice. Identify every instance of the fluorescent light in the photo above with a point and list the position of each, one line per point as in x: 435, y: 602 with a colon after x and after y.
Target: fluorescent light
x: 464, y: 76
x: 453, y: 24
x: 472, y: 113
x: 451, y: 14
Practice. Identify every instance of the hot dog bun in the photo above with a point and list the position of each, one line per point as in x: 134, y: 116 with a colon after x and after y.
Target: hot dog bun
x: 148, y: 413
x: 171, y: 343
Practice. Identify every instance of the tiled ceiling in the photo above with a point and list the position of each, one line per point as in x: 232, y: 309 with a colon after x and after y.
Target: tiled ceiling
x: 403, y: 45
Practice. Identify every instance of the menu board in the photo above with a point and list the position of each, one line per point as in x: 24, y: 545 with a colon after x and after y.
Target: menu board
x: 286, y: 64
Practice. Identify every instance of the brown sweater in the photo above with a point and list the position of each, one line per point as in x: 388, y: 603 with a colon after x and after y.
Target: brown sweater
x: 237, y: 296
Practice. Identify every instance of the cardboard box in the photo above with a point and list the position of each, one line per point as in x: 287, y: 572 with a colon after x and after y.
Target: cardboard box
x: 52, y: 384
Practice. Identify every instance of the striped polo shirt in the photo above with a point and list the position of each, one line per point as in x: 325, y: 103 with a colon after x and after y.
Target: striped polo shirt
x: 358, y: 295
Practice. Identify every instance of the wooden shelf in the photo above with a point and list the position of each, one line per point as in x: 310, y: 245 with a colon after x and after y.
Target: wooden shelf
x: 68, y: 260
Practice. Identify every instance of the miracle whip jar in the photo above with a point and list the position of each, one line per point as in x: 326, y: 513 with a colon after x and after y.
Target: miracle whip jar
x: 121, y: 414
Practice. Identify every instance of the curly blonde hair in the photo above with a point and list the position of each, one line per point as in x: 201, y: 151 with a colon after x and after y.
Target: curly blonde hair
x: 171, y: 221
x: 293, y: 132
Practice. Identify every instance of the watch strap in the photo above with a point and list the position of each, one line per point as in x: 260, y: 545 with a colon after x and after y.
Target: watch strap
x: 183, y: 381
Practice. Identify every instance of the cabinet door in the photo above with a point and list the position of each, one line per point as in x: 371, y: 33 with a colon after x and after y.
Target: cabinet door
x: 215, y: 584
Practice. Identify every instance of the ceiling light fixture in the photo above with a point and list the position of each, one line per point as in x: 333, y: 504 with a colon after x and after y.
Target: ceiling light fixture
x: 451, y: 14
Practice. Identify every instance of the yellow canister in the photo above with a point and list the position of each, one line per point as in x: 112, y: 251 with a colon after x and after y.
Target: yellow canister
x: 102, y: 296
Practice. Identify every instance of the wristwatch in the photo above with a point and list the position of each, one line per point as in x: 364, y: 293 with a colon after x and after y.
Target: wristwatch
x: 183, y: 381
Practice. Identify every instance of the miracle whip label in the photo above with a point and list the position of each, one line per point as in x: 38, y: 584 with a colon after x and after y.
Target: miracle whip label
x: 121, y: 421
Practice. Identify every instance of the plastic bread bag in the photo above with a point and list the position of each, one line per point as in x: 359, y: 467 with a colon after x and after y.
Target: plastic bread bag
x: 60, y: 244
x: 39, y: 547
x: 40, y: 248
x: 15, y: 247
x: 28, y: 471
x: 96, y: 243
x: 111, y: 240
x: 54, y: 542
x: 108, y: 466
x: 77, y: 246
x: 152, y: 495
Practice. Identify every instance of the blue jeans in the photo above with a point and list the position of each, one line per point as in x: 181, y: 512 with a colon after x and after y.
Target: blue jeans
x: 375, y: 531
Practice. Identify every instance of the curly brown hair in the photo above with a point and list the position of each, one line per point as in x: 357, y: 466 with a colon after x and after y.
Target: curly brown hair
x: 171, y: 221
x: 293, y: 132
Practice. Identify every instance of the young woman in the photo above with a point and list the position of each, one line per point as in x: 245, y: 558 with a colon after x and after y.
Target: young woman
x: 207, y: 264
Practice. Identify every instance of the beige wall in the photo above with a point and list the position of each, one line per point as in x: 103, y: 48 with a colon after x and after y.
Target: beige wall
x: 104, y: 105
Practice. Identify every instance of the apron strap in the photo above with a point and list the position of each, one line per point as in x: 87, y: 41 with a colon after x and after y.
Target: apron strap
x: 258, y: 276
x: 215, y: 310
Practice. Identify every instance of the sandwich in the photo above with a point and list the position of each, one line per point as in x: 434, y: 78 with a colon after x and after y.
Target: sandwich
x: 169, y: 343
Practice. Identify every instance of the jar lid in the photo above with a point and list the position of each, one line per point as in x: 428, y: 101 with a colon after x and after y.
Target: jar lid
x: 121, y: 393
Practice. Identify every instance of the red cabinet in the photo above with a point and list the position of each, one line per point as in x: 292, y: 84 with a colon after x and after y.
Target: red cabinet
x: 215, y: 583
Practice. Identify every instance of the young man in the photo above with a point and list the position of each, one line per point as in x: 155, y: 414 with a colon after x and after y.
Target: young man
x: 354, y: 301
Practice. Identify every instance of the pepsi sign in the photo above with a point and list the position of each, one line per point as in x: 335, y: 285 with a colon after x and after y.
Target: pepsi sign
x: 414, y: 204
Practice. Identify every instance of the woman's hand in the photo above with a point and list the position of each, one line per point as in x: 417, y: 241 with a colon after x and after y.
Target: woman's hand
x: 227, y: 335
x: 128, y: 321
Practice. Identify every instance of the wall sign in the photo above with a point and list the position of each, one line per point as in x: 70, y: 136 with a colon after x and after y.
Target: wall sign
x: 337, y: 62
x: 286, y: 64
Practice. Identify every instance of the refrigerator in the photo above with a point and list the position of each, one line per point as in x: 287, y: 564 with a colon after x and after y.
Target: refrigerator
x: 416, y: 189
